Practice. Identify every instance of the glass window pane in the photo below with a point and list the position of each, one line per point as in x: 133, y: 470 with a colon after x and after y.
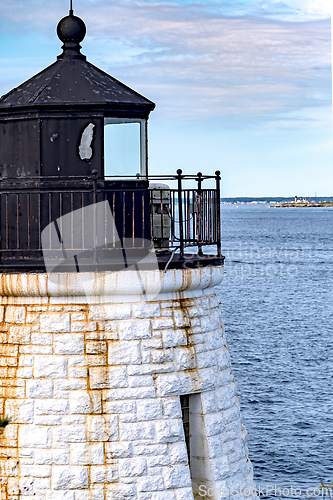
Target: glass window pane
x: 122, y: 149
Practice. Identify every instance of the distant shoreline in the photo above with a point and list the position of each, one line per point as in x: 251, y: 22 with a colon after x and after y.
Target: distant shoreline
x: 308, y: 204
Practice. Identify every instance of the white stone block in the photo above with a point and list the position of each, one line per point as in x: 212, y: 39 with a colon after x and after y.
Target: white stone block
x: 70, y: 434
x: 69, y: 344
x: 110, y: 311
x: 136, y: 431
x: 177, y: 477
x: 216, y: 339
x: 185, y: 358
x: 50, y: 367
x: 231, y: 414
x: 150, y: 368
x: 174, y: 338
x: 134, y: 330
x: 26, y: 486
x: 146, y: 310
x: 160, y: 356
x: 77, y: 361
x: 32, y: 436
x: 95, y: 493
x: 181, y: 383
x: 87, y: 454
x: 52, y: 457
x: 10, y: 466
x: 108, y: 378
x: 120, y: 407
x: 124, y: 353
x: 35, y: 470
x: 117, y: 450
x: 84, y: 327
x: 178, y: 453
x: 26, y: 360
x: 131, y: 467
x: 60, y: 495
x: 206, y: 359
x: 84, y: 402
x: 78, y: 372
x: 14, y: 314
x: 51, y: 407
x: 209, y: 378
x: 214, y: 424
x: 78, y: 316
x: 121, y: 491
x: 70, y: 478
x: 153, y: 343
x: 62, y: 386
x: 158, y: 461
x: 150, y: 450
x: 41, y: 483
x: 128, y: 393
x: 215, y: 446
x: 169, y: 431
x: 36, y: 349
x: 181, y: 319
x: 39, y: 389
x: 102, y: 428
x: 171, y: 407
x: 224, y: 396
x: 103, y: 474
x: 149, y: 409
x: 19, y: 335
x: 207, y: 402
x: 141, y: 381
x: 158, y: 495
x: 42, y: 338
x: 96, y: 347
x: 49, y: 420
x: 55, y: 322
x: 20, y: 412
x: 220, y: 468
x: 184, y: 494
x: 150, y: 483
x: 163, y: 324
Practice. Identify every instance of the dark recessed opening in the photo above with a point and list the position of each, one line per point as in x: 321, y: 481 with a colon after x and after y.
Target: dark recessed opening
x: 185, y: 406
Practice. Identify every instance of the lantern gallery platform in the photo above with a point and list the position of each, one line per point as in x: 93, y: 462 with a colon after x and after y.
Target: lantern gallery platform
x: 76, y: 223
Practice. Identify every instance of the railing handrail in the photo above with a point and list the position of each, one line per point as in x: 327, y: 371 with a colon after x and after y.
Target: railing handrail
x: 137, y: 177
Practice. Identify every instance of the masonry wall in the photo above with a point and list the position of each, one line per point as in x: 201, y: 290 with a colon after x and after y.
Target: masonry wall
x: 93, y: 393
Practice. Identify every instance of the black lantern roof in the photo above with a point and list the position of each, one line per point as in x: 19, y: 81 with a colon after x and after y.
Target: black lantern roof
x: 73, y: 82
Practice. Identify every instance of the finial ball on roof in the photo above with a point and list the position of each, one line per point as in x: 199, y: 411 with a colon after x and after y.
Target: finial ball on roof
x: 71, y: 29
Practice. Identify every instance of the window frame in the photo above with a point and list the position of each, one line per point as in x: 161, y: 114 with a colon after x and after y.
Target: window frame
x: 143, y: 142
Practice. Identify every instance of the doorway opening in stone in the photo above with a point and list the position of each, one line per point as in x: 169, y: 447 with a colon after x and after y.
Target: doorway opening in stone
x: 185, y: 406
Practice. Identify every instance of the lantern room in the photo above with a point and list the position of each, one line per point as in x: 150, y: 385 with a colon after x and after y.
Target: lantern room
x: 73, y: 118
x: 74, y: 137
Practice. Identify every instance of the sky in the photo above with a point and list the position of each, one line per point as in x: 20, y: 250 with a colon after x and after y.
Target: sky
x: 244, y: 86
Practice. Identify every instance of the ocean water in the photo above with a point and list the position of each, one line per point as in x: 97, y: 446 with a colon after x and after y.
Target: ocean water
x: 277, y: 308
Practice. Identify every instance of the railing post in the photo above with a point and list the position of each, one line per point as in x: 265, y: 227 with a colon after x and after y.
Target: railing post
x: 199, y: 212
x: 218, y: 212
x: 180, y: 212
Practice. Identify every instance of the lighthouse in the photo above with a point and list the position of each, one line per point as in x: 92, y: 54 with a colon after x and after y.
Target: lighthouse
x: 115, y: 373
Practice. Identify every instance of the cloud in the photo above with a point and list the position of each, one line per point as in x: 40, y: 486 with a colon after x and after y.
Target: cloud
x: 247, y: 60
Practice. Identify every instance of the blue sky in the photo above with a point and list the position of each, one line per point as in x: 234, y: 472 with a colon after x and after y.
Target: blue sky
x: 240, y: 86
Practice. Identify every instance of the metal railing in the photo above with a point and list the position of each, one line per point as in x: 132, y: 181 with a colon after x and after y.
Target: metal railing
x: 143, y: 210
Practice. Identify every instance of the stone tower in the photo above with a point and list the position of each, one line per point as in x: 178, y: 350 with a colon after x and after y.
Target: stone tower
x: 114, y: 366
